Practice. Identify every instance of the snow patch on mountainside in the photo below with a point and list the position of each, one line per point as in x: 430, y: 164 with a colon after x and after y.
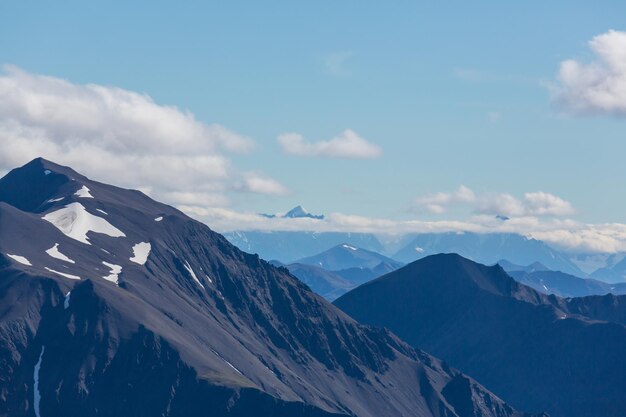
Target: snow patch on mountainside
x: 62, y: 274
x: 116, y: 270
x: 20, y: 259
x: 158, y: 219
x: 232, y: 366
x: 36, y: 393
x: 349, y: 247
x: 141, y: 251
x: 227, y: 363
x: 66, y: 302
x: 75, y: 221
x: 55, y: 253
x: 83, y: 192
x: 193, y: 274
x: 103, y: 212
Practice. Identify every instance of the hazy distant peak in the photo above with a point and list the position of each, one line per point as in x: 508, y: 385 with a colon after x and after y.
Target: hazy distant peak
x: 301, y: 212
x: 297, y: 212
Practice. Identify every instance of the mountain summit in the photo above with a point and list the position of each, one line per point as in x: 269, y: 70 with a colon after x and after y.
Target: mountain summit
x: 344, y: 256
x: 114, y: 304
x: 299, y: 212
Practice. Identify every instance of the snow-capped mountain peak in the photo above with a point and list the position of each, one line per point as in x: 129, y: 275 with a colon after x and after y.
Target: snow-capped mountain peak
x: 297, y: 212
x: 300, y: 212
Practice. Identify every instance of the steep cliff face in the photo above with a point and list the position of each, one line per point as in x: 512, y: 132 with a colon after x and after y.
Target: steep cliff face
x: 113, y: 304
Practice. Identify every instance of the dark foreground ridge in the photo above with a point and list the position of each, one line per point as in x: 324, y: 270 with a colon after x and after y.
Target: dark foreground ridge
x: 113, y: 304
x: 537, y: 352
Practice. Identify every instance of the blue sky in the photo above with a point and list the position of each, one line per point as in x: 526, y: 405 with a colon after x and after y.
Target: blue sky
x: 453, y: 94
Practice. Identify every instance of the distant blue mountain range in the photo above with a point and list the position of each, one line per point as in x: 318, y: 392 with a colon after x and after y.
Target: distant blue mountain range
x: 489, y: 248
x: 289, y: 247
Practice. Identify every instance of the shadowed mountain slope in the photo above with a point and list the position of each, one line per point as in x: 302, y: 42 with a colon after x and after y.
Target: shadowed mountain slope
x: 536, y: 351
x: 566, y: 285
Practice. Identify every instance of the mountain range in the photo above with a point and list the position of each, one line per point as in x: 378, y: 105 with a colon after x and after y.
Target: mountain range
x: 114, y: 304
x: 615, y: 273
x: 289, y: 247
x: 345, y: 256
x: 340, y: 269
x: 538, y: 352
x: 488, y: 248
x: 559, y: 283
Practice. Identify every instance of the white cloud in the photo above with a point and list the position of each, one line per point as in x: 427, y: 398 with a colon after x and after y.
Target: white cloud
x: 532, y: 204
x: 438, y: 203
x: 599, y: 86
x: 568, y: 235
x: 256, y: 183
x: 347, y: 145
x: 500, y: 204
x: 546, y: 204
x: 103, y: 131
x: 204, y: 199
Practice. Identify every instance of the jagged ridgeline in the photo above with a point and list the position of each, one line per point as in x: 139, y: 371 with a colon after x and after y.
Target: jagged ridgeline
x: 112, y: 304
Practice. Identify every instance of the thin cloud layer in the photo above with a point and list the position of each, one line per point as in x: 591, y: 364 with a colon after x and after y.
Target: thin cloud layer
x: 599, y: 86
x: 565, y: 234
x: 531, y: 204
x: 347, y: 145
x: 117, y: 136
